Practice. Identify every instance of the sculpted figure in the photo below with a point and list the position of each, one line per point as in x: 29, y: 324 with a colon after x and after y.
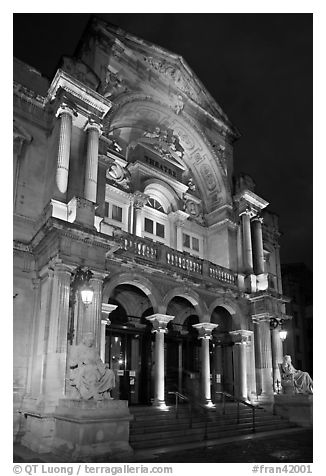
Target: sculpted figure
x: 302, y: 380
x: 91, y: 378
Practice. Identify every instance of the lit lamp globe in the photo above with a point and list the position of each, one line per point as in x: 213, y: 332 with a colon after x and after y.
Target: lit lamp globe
x: 86, y: 293
x: 283, y: 334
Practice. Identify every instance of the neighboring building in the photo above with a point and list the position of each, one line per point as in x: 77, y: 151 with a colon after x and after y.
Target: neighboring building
x: 123, y: 164
x: 298, y: 286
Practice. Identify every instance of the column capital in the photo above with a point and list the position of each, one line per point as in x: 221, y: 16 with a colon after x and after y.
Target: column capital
x: 249, y: 212
x: 205, y: 329
x: 93, y: 125
x: 107, y: 308
x: 105, y: 321
x: 57, y: 265
x: 66, y: 108
x: 97, y: 276
x: 258, y: 219
x: 179, y: 217
x: 160, y: 322
x: 241, y: 336
x: 139, y: 199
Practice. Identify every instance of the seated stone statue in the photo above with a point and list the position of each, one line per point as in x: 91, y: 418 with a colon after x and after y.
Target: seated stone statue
x: 91, y: 378
x: 302, y: 380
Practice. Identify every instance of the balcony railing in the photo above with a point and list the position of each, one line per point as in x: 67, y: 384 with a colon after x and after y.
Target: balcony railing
x: 182, y: 261
x: 140, y: 247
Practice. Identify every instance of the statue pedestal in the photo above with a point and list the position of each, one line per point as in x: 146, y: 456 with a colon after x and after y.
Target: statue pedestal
x: 81, y: 431
x: 297, y: 408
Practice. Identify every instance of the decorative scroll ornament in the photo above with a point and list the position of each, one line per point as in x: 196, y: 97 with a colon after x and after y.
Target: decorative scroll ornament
x: 118, y: 175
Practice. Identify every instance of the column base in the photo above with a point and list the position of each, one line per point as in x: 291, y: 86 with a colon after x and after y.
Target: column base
x: 250, y: 282
x: 82, y: 212
x: 159, y: 403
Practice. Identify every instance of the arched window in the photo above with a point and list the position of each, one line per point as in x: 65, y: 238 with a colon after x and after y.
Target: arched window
x: 153, y: 203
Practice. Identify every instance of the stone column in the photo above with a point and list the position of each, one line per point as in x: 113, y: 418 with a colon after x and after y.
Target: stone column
x: 105, y: 321
x: 139, y: 201
x: 65, y: 113
x: 263, y: 355
x: 258, y: 249
x: 240, y: 338
x: 205, y: 334
x: 277, y: 355
x: 94, y: 131
x: 159, y: 322
x: 246, y: 241
x: 55, y: 364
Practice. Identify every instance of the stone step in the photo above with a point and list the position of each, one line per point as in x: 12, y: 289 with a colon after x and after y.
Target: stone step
x: 145, y: 427
x: 198, y: 429
x: 184, y: 412
x: 193, y: 438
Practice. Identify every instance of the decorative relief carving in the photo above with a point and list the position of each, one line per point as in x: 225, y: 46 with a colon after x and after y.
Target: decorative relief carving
x: 208, y: 176
x: 112, y: 84
x: 172, y: 72
x: 177, y: 103
x: 118, y: 175
x: 165, y: 142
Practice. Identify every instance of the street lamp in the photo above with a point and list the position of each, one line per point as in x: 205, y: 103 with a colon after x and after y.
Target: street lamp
x: 274, y: 323
x: 80, y: 284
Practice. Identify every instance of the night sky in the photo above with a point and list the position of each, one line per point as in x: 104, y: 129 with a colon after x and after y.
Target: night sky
x: 258, y: 67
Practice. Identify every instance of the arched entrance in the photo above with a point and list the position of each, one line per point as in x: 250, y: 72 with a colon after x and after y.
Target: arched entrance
x: 129, y: 344
x: 222, y: 355
x: 182, y: 348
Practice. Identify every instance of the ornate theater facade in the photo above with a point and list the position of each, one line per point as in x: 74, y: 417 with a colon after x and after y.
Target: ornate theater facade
x: 123, y: 172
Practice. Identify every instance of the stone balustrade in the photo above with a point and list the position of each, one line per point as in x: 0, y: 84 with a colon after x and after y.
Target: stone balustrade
x: 184, y: 262
x: 222, y: 274
x: 140, y: 247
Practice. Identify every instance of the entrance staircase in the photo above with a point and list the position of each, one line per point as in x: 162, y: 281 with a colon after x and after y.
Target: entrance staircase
x: 154, y: 428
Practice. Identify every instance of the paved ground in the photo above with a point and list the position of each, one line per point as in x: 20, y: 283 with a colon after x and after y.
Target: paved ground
x: 293, y: 447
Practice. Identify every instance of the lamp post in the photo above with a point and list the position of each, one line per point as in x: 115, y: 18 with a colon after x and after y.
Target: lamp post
x: 275, y: 323
x: 80, y: 283
x: 278, y: 335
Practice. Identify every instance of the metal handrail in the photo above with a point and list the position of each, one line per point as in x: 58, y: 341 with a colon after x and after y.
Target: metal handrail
x: 243, y: 402
x: 180, y: 396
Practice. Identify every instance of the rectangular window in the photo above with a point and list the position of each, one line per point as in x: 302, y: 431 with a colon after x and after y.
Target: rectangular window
x: 160, y: 230
x: 106, y: 209
x: 195, y: 244
x: 116, y: 213
x: 149, y: 228
x: 186, y: 240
